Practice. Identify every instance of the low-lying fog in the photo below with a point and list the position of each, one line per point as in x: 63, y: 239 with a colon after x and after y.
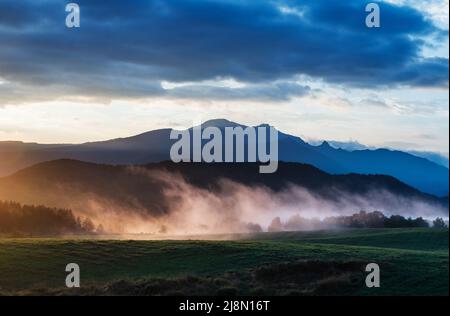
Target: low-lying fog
x: 236, y: 208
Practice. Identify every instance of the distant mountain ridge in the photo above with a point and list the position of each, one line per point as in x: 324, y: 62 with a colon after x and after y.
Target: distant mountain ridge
x: 436, y: 157
x: 154, y: 146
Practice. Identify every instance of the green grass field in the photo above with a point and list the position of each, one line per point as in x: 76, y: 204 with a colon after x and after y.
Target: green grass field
x: 412, y: 262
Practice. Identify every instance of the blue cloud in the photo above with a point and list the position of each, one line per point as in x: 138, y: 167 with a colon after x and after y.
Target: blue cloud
x: 127, y: 49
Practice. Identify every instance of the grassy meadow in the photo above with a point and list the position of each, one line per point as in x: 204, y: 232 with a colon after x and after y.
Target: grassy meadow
x: 412, y: 262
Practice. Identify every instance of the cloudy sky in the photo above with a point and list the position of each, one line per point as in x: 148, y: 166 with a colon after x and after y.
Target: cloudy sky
x: 311, y: 68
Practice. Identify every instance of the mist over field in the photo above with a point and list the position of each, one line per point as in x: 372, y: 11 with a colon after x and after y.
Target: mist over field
x: 231, y: 207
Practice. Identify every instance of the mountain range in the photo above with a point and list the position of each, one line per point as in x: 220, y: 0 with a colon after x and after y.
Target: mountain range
x: 154, y: 146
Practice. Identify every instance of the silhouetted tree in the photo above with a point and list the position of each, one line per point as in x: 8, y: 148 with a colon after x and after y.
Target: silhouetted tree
x: 419, y: 222
x: 276, y: 225
x: 439, y: 223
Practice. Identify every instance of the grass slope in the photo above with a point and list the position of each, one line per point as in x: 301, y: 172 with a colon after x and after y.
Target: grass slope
x: 412, y: 261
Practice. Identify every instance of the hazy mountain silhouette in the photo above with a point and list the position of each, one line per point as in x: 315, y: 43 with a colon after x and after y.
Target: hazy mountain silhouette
x: 154, y: 146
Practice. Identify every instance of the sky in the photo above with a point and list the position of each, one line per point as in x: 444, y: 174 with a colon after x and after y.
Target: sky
x: 310, y: 68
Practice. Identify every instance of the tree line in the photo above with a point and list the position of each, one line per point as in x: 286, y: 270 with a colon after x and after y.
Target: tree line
x: 362, y: 219
x: 28, y: 220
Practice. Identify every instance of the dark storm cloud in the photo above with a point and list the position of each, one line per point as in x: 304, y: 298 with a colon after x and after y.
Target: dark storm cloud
x: 126, y: 48
x: 263, y: 92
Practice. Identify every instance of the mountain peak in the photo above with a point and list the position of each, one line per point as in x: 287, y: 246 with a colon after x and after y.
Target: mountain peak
x: 325, y: 144
x: 220, y: 123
